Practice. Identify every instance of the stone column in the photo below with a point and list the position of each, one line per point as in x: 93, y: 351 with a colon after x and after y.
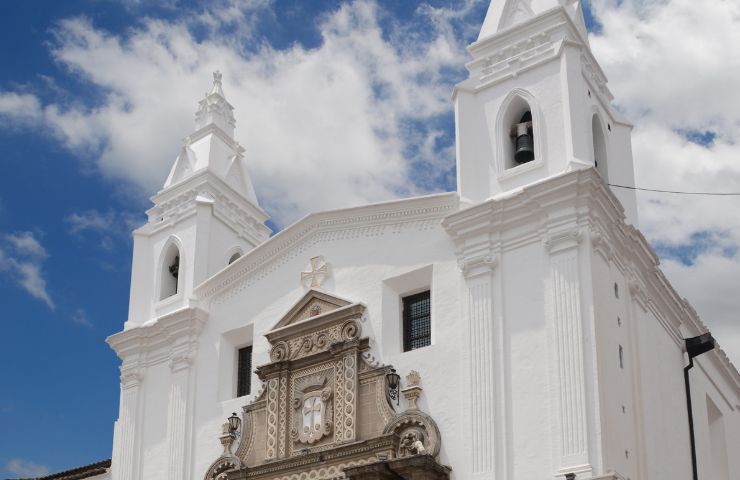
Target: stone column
x: 567, y: 327
x: 178, y: 416
x: 127, y: 449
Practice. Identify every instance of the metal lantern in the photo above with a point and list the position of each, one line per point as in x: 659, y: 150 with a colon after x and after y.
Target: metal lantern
x: 234, y: 423
x: 393, y: 381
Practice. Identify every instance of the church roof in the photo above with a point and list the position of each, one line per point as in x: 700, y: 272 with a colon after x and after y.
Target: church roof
x: 86, y: 471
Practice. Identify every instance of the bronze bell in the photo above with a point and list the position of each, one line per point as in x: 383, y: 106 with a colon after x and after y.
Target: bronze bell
x: 524, y: 151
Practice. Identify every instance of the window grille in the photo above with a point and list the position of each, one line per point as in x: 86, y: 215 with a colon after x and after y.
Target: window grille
x: 244, y: 372
x: 417, y: 321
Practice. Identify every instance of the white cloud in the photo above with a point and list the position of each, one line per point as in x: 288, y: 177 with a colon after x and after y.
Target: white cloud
x: 79, y: 317
x: 21, y: 259
x: 26, y: 468
x: 108, y: 227
x: 26, y: 244
x: 323, y: 128
x: 674, y: 67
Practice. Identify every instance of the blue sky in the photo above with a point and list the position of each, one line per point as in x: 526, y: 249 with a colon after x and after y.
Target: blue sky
x: 96, y: 95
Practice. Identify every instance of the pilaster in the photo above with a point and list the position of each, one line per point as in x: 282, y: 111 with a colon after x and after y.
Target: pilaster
x: 128, y: 447
x: 179, y: 413
x: 487, y: 361
x: 567, y: 327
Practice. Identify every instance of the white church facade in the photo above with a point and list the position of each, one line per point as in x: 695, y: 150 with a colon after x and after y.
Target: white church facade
x: 533, y: 332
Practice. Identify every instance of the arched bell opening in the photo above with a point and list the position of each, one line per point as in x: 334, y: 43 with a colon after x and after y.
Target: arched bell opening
x: 599, y: 144
x: 170, y: 272
x: 519, y: 133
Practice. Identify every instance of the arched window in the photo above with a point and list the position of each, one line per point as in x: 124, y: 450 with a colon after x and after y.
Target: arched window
x: 234, y: 257
x: 599, y: 142
x: 170, y: 272
x: 519, y: 133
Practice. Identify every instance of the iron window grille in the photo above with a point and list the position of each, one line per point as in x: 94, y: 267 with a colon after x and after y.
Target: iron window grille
x: 417, y: 321
x: 244, y: 372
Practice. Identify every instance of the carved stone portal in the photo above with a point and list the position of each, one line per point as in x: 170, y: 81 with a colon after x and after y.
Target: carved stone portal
x: 324, y: 410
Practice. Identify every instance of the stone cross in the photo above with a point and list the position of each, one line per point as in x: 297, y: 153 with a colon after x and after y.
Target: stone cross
x: 318, y: 269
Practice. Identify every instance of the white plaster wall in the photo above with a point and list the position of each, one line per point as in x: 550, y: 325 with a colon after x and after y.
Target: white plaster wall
x: 654, y: 428
x: 359, y: 266
x: 144, y: 303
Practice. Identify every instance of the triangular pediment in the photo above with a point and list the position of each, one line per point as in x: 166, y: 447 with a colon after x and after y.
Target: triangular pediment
x: 313, y: 304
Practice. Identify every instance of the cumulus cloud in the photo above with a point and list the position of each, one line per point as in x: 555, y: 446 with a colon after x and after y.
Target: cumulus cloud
x: 674, y: 67
x: 108, y: 227
x: 26, y: 468
x: 79, y: 317
x: 336, y: 125
x: 21, y: 259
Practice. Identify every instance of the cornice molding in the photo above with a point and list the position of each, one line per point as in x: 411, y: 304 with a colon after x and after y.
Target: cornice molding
x: 171, y: 338
x: 181, y: 201
x: 421, y: 213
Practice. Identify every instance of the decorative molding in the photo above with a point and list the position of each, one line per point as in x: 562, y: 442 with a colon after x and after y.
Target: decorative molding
x: 562, y: 241
x: 389, y: 218
x: 176, y: 203
x: 474, y: 265
x: 131, y: 376
x: 152, y: 342
x: 180, y: 360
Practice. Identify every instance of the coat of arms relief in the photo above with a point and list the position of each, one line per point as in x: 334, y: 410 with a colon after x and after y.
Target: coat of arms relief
x: 312, y: 410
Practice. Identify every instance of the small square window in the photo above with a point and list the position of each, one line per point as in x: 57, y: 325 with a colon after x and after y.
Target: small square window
x: 244, y: 372
x: 417, y: 321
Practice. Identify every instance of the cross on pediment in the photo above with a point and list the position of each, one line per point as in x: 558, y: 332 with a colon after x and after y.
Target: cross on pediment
x: 318, y: 273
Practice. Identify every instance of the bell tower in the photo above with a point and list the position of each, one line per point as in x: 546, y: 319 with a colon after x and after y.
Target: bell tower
x: 536, y: 104
x: 205, y: 217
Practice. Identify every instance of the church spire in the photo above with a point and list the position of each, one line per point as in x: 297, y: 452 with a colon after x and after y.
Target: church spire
x: 215, y: 110
x: 505, y: 14
x: 212, y: 146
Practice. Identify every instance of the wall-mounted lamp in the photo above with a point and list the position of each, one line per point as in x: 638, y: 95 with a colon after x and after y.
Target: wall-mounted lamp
x: 392, y: 383
x: 234, y: 423
x: 695, y: 346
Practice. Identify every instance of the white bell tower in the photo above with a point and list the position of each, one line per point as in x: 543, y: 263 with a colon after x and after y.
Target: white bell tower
x: 204, y: 218
x: 536, y: 105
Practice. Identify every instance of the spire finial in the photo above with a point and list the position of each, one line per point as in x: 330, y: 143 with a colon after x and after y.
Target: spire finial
x: 217, y: 87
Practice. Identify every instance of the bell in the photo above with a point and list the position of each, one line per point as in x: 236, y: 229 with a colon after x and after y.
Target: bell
x: 524, y: 148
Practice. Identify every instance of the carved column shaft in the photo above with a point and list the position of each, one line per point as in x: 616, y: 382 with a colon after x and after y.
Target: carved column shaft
x: 567, y: 320
x: 127, y: 455
x: 486, y: 365
x: 178, y: 417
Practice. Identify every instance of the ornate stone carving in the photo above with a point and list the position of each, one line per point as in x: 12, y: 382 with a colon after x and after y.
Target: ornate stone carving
x: 324, y: 406
x: 318, y: 273
x: 411, y: 443
x: 413, y: 379
x: 350, y: 330
x: 413, y: 426
x: 313, y: 411
x: 413, y: 390
x: 280, y: 351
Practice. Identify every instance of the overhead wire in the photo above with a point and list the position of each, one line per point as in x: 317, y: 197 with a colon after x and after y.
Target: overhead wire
x: 677, y: 192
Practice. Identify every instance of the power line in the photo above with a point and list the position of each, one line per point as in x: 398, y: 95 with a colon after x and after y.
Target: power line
x: 716, y: 194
